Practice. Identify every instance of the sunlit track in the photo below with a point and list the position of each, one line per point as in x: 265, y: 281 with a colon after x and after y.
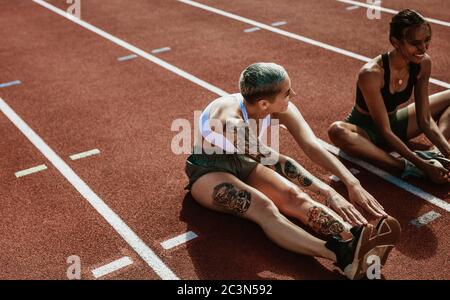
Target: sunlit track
x: 107, y: 213
x: 210, y: 87
x: 120, y: 106
x: 390, y: 11
x: 293, y: 35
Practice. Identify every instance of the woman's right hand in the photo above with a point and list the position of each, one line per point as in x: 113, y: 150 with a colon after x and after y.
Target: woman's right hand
x: 436, y: 172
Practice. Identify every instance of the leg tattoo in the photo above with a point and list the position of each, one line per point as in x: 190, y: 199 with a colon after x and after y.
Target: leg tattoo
x: 292, y: 172
x: 323, y: 222
x: 227, y: 196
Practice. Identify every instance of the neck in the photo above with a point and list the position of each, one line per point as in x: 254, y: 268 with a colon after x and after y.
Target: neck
x: 397, y: 60
x: 254, y: 112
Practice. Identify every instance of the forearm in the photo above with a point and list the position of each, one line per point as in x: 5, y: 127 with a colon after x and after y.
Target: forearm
x: 329, y: 162
x: 436, y: 137
x: 293, y: 171
x: 399, y: 146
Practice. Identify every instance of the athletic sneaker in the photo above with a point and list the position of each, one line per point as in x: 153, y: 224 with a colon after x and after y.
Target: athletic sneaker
x: 352, y: 255
x: 411, y: 170
x: 433, y: 155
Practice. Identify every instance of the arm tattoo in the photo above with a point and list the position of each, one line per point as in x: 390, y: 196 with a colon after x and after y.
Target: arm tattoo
x: 324, y: 223
x: 225, y: 195
x: 247, y: 143
x: 293, y: 173
x: 278, y: 168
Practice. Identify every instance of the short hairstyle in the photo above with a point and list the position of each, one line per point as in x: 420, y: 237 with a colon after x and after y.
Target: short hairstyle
x: 261, y: 80
x: 404, y: 20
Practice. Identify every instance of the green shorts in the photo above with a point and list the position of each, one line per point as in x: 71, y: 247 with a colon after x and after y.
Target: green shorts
x: 397, y: 120
x: 198, y: 165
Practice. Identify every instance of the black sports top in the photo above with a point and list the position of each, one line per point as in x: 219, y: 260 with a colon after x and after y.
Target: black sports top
x: 391, y: 101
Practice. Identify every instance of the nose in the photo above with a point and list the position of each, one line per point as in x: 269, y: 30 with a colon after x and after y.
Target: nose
x: 422, y: 47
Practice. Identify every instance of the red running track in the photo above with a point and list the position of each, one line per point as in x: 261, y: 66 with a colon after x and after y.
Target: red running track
x: 77, y: 97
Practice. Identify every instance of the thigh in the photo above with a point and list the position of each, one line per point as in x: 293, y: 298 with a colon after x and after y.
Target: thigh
x: 438, y: 103
x: 287, y: 196
x: 224, y: 192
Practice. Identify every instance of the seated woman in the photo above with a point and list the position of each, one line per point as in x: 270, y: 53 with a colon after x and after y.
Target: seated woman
x: 227, y: 174
x: 383, y: 84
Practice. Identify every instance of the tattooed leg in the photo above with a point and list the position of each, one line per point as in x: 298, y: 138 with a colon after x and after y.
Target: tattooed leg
x: 294, y: 174
x: 225, y: 195
x: 324, y: 223
x: 293, y: 171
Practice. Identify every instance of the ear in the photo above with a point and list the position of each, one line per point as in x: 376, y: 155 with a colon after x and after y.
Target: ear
x: 263, y: 104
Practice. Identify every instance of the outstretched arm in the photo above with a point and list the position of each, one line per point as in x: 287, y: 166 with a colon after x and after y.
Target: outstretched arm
x: 306, y: 139
x: 246, y: 142
x: 425, y: 121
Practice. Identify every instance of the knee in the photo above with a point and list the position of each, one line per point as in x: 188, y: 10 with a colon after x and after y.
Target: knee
x: 337, y: 132
x: 295, y: 197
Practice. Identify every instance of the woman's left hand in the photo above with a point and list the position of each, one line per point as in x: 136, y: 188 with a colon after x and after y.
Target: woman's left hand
x: 359, y: 196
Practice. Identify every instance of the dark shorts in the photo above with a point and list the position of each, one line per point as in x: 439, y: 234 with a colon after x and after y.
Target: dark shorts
x: 397, y: 120
x: 198, y: 165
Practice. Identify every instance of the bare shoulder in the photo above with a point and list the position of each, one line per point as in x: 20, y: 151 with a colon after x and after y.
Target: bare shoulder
x: 225, y: 109
x: 371, y: 74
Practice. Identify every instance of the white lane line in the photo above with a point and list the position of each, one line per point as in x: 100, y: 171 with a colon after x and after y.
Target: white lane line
x: 390, y: 11
x: 280, y: 23
x: 104, y: 210
x: 161, y: 50
x: 131, y: 48
x: 293, y: 35
x: 128, y: 57
x: 112, y: 267
x: 352, y: 170
x: 30, y: 170
x: 395, y: 154
x: 352, y: 7
x: 7, y: 84
x: 425, y: 219
x: 388, y: 177
x: 178, y: 240
x: 252, y: 29
x: 85, y: 154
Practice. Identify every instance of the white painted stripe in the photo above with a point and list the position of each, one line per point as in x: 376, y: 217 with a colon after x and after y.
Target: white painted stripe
x: 292, y: 35
x: 390, y: 11
x: 336, y: 179
x: 107, y: 213
x: 352, y: 7
x: 132, y: 48
x: 128, y: 57
x: 85, y: 154
x: 30, y: 170
x: 253, y: 29
x: 178, y: 240
x: 112, y: 267
x: 280, y: 23
x: 425, y: 219
x: 395, y: 154
x: 7, y: 84
x: 389, y: 178
x: 354, y: 171
x: 440, y: 83
x: 160, y: 50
